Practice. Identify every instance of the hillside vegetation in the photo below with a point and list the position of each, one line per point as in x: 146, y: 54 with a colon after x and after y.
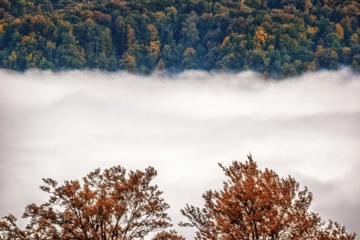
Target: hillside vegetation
x: 275, y: 37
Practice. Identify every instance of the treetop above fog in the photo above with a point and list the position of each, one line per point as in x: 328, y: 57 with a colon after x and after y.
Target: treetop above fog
x: 275, y: 37
x: 259, y: 204
x: 105, y: 205
x: 253, y: 204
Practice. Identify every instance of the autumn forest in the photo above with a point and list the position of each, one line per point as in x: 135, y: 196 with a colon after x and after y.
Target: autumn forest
x: 278, y: 38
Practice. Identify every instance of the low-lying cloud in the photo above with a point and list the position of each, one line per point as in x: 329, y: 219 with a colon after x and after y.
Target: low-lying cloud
x: 67, y: 124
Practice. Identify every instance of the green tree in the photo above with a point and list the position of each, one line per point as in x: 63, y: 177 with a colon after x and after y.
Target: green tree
x: 5, y: 4
x: 190, y: 32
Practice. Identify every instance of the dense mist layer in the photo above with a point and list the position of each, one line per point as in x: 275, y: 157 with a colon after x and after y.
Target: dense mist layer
x: 64, y: 125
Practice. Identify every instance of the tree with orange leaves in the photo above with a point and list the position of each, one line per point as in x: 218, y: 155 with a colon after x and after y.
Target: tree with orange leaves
x: 172, y: 235
x: 107, y: 205
x: 256, y: 204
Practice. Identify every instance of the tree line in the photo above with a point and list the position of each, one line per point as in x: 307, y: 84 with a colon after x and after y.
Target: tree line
x: 253, y: 204
x: 278, y: 38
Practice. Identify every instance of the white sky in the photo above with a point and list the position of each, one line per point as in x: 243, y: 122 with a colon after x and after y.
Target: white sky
x: 67, y: 124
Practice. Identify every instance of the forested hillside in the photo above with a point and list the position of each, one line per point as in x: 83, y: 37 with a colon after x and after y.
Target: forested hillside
x: 275, y: 37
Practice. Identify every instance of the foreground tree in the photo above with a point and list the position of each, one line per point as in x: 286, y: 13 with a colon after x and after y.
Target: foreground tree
x: 107, y: 205
x: 255, y: 204
x: 172, y: 235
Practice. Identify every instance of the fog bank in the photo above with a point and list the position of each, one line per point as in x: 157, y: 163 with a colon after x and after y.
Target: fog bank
x: 66, y: 124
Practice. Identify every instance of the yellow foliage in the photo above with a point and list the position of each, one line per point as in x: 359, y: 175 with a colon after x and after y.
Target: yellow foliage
x: 222, y: 11
x: 50, y: 44
x: 312, y: 30
x: 90, y: 21
x: 159, y: 15
x: 226, y: 39
x: 207, y: 16
x: 171, y: 10
x: 351, y: 8
x: 13, y: 56
x: 154, y: 48
x: 2, y: 29
x: 339, y: 30
x: 303, y: 36
x: 17, y: 21
x: 153, y: 31
x: 260, y: 37
x: 131, y: 38
x: 37, y: 19
x: 313, y: 17
x: 43, y: 60
x: 307, y: 5
x: 86, y: 14
x: 189, y: 52
x: 66, y: 24
x: 29, y: 57
x: 319, y: 48
x: 354, y: 38
x: 128, y: 62
x: 310, y: 66
x: 26, y: 39
x: 298, y: 63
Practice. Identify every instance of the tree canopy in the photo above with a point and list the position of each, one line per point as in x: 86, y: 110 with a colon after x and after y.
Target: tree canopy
x: 256, y: 204
x: 107, y: 205
x: 172, y: 235
x: 253, y: 205
x: 274, y: 37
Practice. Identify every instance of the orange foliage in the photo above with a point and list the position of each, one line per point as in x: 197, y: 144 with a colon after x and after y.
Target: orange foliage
x: 339, y: 30
x: 255, y: 204
x: 107, y: 205
x: 172, y: 235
